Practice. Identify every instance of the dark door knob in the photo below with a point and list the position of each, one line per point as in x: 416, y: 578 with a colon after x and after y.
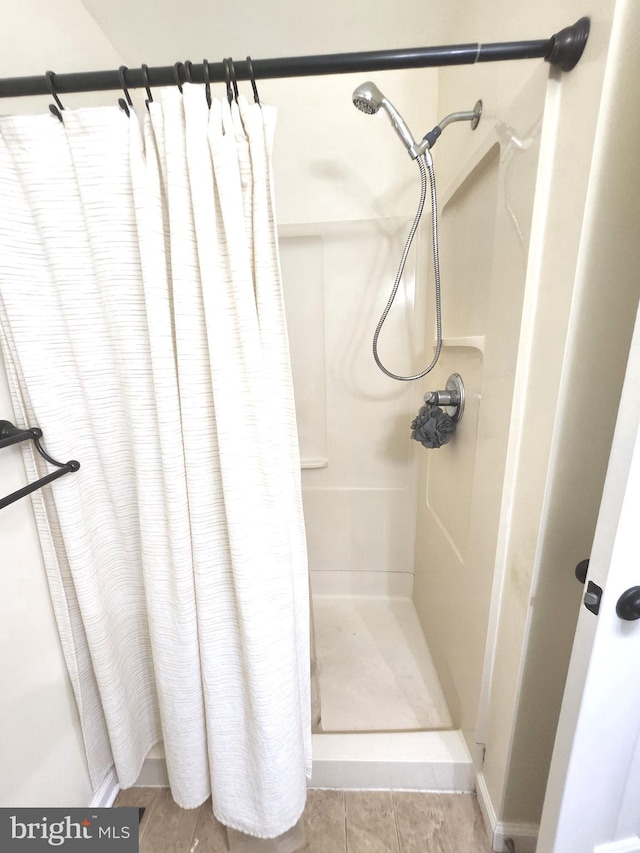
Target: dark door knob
x: 628, y: 606
x: 581, y: 570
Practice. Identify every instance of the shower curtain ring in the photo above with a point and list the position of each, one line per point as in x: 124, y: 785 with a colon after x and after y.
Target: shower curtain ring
x: 234, y: 82
x: 252, y: 77
x: 145, y: 79
x: 207, y: 82
x: 55, y: 110
x: 123, y: 83
x: 227, y: 77
x: 187, y: 70
x: 176, y: 75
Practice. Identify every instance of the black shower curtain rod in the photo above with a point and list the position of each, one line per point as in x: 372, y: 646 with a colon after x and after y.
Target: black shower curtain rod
x: 563, y: 50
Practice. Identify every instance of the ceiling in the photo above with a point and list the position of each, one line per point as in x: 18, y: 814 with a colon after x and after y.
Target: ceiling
x: 164, y: 31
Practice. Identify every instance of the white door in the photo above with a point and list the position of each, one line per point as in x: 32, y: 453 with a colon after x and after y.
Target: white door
x: 592, y: 803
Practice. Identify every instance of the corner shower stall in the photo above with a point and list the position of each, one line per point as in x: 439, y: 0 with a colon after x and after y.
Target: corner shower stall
x: 403, y: 541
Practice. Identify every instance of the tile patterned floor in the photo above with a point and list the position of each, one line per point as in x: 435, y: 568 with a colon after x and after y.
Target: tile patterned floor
x: 335, y: 822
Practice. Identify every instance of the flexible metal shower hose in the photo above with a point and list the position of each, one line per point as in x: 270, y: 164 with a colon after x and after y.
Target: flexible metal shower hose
x: 425, y: 163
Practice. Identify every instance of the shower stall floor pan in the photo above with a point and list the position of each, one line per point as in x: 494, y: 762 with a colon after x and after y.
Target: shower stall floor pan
x: 376, y: 677
x: 375, y: 672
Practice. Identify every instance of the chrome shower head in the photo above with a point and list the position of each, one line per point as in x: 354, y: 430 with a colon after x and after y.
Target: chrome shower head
x: 368, y: 99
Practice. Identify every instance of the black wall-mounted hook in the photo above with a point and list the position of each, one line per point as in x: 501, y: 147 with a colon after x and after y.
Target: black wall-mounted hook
x: 252, y: 77
x: 207, y: 85
x: 10, y: 434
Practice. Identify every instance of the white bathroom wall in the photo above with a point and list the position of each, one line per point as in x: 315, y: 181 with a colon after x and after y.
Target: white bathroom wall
x: 160, y: 31
x: 42, y: 759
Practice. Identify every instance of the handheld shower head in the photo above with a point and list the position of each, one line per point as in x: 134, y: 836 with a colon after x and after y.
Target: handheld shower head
x: 368, y: 99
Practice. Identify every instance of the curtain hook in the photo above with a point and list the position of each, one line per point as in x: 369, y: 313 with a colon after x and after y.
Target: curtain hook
x: 123, y: 83
x: 55, y: 110
x: 176, y: 75
x: 227, y: 77
x: 234, y: 82
x: 145, y: 79
x: 187, y: 71
x: 207, y: 86
x: 252, y: 77
x: 124, y: 106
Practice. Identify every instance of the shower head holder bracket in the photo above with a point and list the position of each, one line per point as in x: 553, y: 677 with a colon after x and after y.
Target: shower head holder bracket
x: 429, y: 139
x: 452, y: 397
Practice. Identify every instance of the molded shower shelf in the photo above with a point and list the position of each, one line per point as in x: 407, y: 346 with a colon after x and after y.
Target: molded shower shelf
x: 474, y: 341
x: 313, y: 463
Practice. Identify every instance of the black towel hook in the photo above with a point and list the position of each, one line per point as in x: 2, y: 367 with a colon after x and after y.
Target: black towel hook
x: 176, y: 75
x: 252, y: 77
x: 10, y: 434
x: 145, y: 79
x: 53, y: 109
x: 207, y: 85
x: 227, y: 77
x: 234, y: 82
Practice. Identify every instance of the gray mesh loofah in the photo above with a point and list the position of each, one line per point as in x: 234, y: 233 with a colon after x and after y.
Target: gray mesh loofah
x: 432, y: 427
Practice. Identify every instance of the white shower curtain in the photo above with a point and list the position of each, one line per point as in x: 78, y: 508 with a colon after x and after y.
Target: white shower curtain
x: 143, y: 329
